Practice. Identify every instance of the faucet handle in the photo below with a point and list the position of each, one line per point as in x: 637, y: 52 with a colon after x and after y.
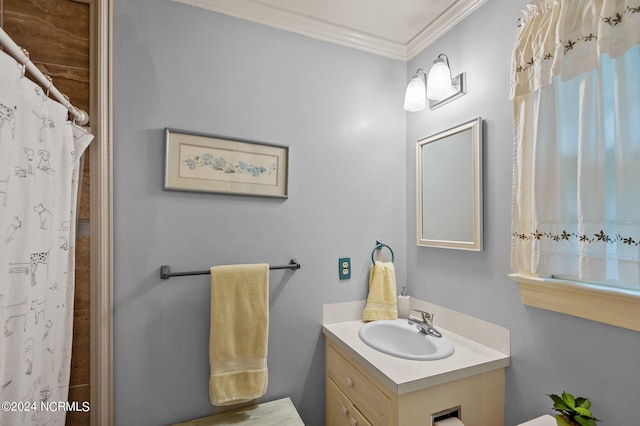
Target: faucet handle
x: 413, y: 317
x: 424, y: 322
x: 423, y: 315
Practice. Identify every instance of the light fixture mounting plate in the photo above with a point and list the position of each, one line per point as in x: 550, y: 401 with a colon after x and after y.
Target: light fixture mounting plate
x: 460, y: 83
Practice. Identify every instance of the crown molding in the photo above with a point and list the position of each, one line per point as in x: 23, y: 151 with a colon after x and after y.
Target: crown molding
x: 322, y: 30
x: 439, y: 26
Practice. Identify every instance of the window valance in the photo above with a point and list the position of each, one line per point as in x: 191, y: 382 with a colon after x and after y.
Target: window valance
x: 567, y: 37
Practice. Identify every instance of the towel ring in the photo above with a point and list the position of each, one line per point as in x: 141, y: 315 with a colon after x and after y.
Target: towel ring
x: 379, y: 246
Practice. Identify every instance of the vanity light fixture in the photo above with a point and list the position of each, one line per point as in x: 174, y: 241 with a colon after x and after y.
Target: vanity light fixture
x: 438, y: 86
x: 415, y: 98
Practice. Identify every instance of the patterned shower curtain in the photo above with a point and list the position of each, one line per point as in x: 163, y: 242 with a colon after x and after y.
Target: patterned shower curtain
x: 39, y: 161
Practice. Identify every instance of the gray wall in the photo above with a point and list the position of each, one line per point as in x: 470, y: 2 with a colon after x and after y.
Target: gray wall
x: 550, y: 352
x: 339, y: 111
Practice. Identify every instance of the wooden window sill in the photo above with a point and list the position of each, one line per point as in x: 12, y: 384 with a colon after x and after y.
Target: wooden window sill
x: 597, y: 303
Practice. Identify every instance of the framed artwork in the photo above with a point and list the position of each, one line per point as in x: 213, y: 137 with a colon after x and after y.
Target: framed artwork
x: 207, y: 163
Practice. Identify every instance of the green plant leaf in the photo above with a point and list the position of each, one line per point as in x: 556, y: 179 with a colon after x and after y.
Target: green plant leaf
x: 569, y: 400
x: 585, y: 422
x: 558, y: 403
x: 583, y: 402
x: 584, y: 412
x: 563, y: 409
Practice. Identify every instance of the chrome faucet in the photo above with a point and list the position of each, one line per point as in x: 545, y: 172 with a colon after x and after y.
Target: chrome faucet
x: 424, y: 322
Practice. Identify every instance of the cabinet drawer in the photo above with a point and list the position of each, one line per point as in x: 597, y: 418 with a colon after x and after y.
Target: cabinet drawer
x: 364, y: 395
x: 340, y: 411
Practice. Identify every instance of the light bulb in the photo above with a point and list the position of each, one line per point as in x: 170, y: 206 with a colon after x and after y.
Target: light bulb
x: 415, y: 98
x: 439, y: 84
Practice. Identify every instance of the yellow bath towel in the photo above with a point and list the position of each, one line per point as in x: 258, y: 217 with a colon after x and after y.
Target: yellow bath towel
x: 238, y: 338
x: 382, y: 303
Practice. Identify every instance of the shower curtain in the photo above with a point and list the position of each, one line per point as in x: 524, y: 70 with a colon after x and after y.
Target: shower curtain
x: 39, y: 161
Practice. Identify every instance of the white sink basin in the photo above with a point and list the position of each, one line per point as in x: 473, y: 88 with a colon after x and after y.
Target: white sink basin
x: 400, y: 339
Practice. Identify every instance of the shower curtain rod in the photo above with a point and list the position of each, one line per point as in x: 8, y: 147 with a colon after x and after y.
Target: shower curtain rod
x: 165, y: 270
x: 45, y: 81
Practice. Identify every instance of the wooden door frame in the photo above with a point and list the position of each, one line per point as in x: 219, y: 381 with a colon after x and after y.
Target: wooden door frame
x: 101, y: 211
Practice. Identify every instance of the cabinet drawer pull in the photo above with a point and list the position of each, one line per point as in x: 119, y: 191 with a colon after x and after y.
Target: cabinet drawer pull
x: 349, y: 382
x: 354, y: 421
x: 344, y: 410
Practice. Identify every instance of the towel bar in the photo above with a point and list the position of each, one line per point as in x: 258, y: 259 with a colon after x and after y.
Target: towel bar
x: 165, y: 270
x: 379, y: 245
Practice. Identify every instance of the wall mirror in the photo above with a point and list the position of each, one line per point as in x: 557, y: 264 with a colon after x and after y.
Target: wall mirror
x: 449, y: 188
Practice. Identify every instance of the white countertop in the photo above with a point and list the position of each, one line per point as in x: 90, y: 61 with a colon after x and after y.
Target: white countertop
x: 545, y: 420
x: 403, y: 376
x: 274, y: 413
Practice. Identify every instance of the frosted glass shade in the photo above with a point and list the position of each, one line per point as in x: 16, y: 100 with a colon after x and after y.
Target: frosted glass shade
x: 415, y: 98
x: 439, y: 84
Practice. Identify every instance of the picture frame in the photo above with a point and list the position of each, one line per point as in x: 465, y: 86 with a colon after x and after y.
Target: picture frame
x: 198, y: 162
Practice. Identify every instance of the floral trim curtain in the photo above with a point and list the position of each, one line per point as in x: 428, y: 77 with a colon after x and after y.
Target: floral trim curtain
x: 567, y: 37
x: 576, y: 94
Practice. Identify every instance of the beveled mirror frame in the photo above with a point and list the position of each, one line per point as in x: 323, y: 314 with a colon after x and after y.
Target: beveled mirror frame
x: 472, y: 185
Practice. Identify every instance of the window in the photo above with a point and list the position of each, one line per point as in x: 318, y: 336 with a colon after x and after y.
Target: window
x: 576, y: 201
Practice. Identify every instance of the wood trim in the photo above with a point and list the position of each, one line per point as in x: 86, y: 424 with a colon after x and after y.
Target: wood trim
x: 101, y: 316
x: 597, y: 303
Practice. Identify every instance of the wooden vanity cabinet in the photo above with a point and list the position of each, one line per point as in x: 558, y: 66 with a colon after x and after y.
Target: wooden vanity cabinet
x: 349, y: 384
x: 355, y: 398
x: 340, y: 410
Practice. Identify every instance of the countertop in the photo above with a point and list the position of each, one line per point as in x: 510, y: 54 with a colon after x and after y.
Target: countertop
x: 403, y: 376
x: 545, y: 420
x: 274, y: 413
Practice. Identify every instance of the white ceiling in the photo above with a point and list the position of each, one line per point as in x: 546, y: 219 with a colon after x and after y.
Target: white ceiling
x: 397, y: 29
